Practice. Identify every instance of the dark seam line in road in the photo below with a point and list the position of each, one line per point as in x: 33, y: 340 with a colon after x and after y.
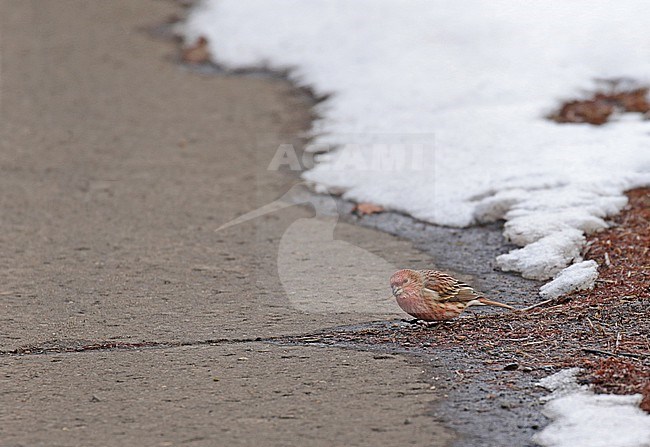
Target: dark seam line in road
x: 319, y: 338
x: 124, y: 346
x: 309, y: 339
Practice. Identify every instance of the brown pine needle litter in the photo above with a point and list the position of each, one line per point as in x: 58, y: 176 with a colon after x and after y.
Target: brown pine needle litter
x: 614, y: 97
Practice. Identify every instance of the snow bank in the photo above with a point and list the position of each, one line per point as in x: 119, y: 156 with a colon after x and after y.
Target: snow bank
x: 474, y: 80
x: 581, y: 418
x: 579, y: 276
x: 545, y: 257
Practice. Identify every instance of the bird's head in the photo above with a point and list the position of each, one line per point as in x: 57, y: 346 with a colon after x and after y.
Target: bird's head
x: 403, y: 280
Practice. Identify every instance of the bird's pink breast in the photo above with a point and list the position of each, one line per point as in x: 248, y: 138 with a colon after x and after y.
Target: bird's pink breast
x: 425, y: 309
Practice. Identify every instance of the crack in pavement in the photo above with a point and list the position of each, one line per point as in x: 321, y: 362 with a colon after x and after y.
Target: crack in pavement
x: 123, y: 346
x: 61, y: 347
x: 323, y: 336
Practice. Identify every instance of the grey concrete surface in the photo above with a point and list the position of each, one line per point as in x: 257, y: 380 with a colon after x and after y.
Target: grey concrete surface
x: 116, y: 167
x: 250, y: 394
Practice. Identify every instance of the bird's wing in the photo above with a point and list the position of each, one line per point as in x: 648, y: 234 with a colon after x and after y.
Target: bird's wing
x: 447, y: 289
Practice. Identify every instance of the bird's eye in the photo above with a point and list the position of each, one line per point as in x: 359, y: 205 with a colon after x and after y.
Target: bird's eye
x: 406, y: 280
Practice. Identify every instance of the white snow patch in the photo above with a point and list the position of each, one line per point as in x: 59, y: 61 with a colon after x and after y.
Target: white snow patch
x: 472, y: 80
x: 561, y: 383
x: 546, y: 257
x: 581, y: 418
x: 579, y: 276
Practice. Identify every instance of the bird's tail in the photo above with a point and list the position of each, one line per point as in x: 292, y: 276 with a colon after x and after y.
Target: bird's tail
x: 487, y: 302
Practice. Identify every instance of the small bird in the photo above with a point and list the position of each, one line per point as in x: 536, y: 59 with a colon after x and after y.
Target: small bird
x: 429, y: 295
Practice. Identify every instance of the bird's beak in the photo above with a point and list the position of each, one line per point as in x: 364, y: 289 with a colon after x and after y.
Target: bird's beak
x: 397, y: 291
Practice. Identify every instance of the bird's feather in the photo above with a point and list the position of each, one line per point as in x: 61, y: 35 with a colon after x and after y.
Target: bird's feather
x: 442, y: 287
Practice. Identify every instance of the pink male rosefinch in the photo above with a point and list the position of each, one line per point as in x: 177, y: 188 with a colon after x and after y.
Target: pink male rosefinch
x: 435, y: 296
